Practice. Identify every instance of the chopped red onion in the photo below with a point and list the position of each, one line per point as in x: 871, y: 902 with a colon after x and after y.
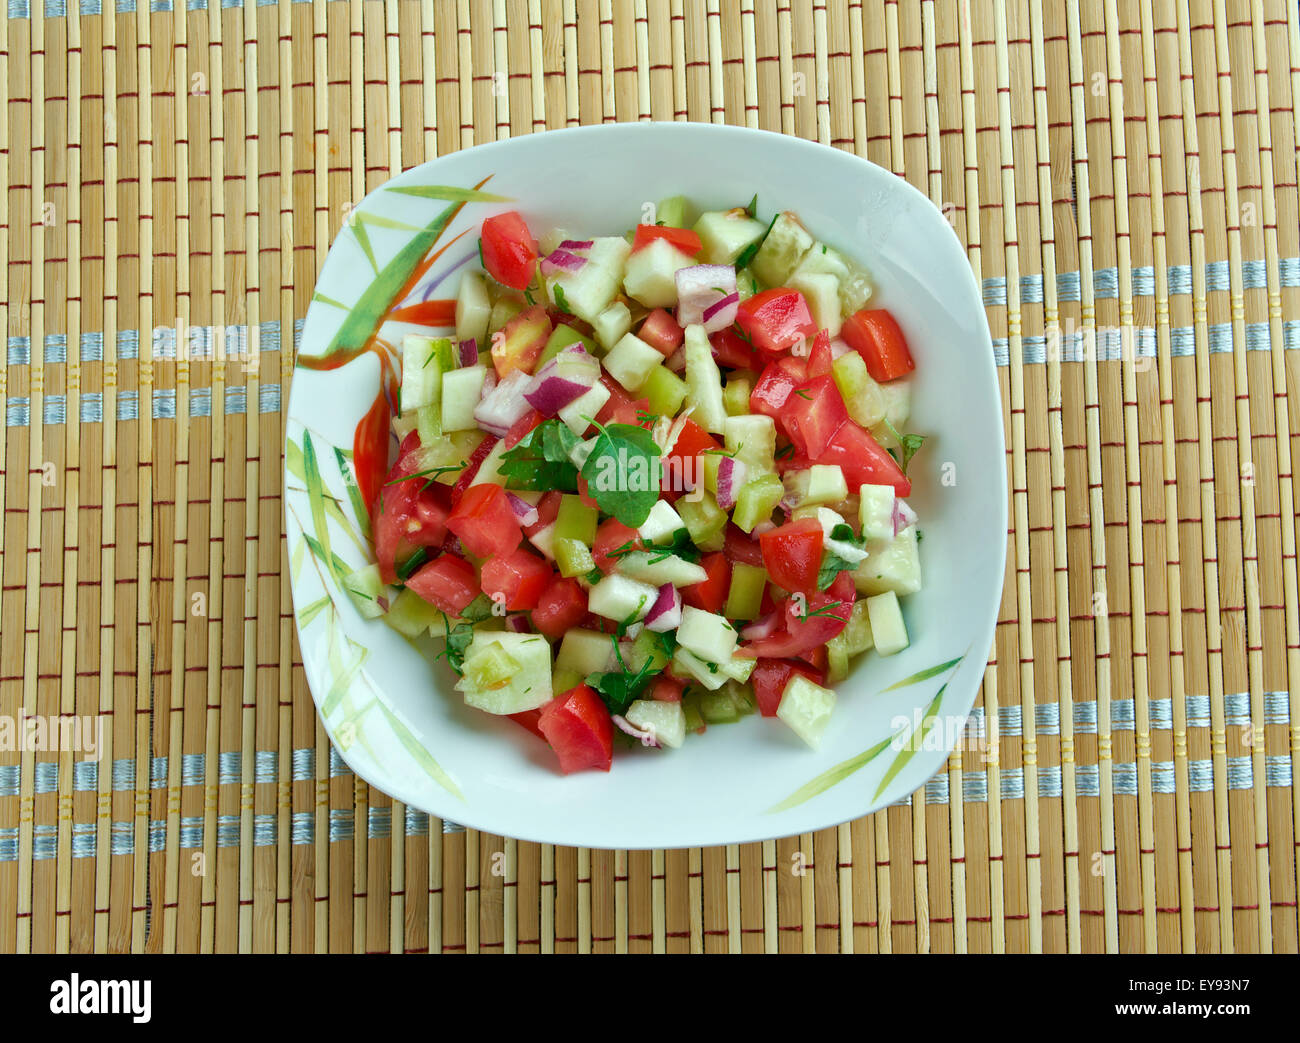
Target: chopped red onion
x: 577, y: 244
x: 666, y: 613
x: 525, y: 512
x: 502, y: 403
x: 762, y: 628
x: 677, y: 361
x: 732, y: 299
x: 706, y: 294
x: 561, y: 261
x: 647, y: 737
x: 518, y: 623
x: 838, y: 348
x: 903, y: 516
x: 731, y: 476
x: 467, y: 352
x: 563, y: 380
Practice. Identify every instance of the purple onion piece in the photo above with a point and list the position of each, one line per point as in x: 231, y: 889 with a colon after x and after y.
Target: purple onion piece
x: 562, y: 261
x: 467, y: 352
x: 525, y: 512
x: 577, y: 244
x: 762, y: 628
x: 518, y: 624
x: 717, y: 306
x: 624, y: 725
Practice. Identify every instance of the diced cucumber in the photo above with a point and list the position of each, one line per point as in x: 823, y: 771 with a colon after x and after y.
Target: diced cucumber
x: 726, y: 234
x: 758, y: 498
x: 746, y: 284
x: 738, y: 667
x: 687, y: 662
x: 586, y: 652
x: 660, y: 523
x: 752, y: 439
x: 822, y: 292
x: 891, y: 565
x: 674, y: 212
x: 404, y: 424
x: 576, y: 520
x: 491, y: 667
x: 525, y: 688
x: 876, y: 507
x: 621, y: 599
x: 806, y: 707
x: 563, y: 680
x: 837, y: 660
x: 490, y: 469
x: 887, y: 628
x: 411, y: 615
x: 853, y: 640
x: 782, y: 250
x: 428, y: 422
x: 631, y: 361
x: 452, y: 450
x: 369, y: 593
x: 590, y: 290
x: 742, y: 697
x: 473, y: 309
x: 612, y: 324
x: 898, y: 402
x: 422, y: 366
x: 572, y: 557
x: 646, y: 647
x: 706, y: 634
x: 665, y: 390
x: 705, y: 521
x: 544, y: 540
x: 718, y: 707
x: 863, y: 397
x: 854, y: 285
x: 691, y: 710
x: 561, y: 337
x: 658, y: 569
x: 651, y: 275
x: 735, y: 396
x: 703, y: 381
x: 579, y: 413
x: 506, y: 308
x: 461, y: 390
x: 820, y: 483
x: 745, y: 597
x: 665, y: 721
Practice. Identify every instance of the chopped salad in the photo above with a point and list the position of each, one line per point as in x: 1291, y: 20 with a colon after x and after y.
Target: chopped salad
x: 655, y: 482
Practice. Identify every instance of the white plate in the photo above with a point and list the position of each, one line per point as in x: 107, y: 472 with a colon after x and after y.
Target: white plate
x: 391, y: 710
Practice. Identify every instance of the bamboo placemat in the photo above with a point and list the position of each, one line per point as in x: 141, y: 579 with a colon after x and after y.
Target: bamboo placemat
x: 173, y: 172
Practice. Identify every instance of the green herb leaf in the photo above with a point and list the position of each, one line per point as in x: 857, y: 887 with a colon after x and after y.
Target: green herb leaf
x: 541, y: 460
x: 908, y: 444
x: 560, y: 302
x: 747, y: 254
x: 458, y: 640
x: 832, y: 563
x: 623, y: 472
x: 752, y: 208
x: 620, y: 688
x: 412, y: 563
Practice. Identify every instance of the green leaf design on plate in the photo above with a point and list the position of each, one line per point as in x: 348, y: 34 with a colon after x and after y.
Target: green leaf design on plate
x: 318, y: 296
x: 340, y: 568
x: 925, y: 675
x: 316, y: 496
x: 417, y: 750
x: 900, y: 762
x: 363, y: 237
x: 343, y: 675
x: 448, y: 193
x: 831, y: 777
x: 294, y: 464
x: 311, y: 611
x: 354, y: 492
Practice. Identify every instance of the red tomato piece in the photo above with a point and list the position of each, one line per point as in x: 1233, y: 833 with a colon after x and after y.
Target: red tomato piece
x: 612, y: 535
x: 730, y: 349
x: 812, y: 415
x: 776, y: 320
x: 528, y: 719
x: 792, y: 554
x: 683, y: 238
x: 517, y: 576
x: 548, y: 507
x: 521, y: 341
x: 485, y: 521
x: 809, y: 622
x: 819, y: 358
x: 447, y: 582
x: 770, y: 677
x: 774, y: 387
x: 408, y: 514
x: 561, y: 607
x: 509, y: 250
x: 661, y: 332
x: 741, y: 547
x: 875, y: 335
x: 577, y: 726
x: 667, y: 689
x: 523, y: 426
x: 710, y: 594
x: 862, y: 459
x: 681, y: 464
x: 472, y: 465
x: 621, y: 408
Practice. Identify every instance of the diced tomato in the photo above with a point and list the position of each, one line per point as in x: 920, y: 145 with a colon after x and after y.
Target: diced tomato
x: 792, y: 554
x: 741, y: 547
x: 683, y: 238
x: 692, y: 442
x: 710, y: 594
x: 774, y: 387
x: 509, y: 250
x: 523, y: 426
x: 661, y: 332
x: 815, y: 657
x: 776, y: 320
x: 770, y: 677
x: 472, y: 465
x: 730, y: 349
x: 408, y: 514
x: 547, y: 509
x: 447, y: 582
x: 809, y: 624
x: 875, y: 335
x: 577, y: 726
x: 485, y: 521
x: 667, y: 689
x: 862, y: 459
x: 521, y: 341
x: 529, y: 719
x: 517, y: 576
x: 561, y: 607
x: 612, y: 535
x: 812, y: 415
x: 621, y: 408
x: 819, y: 358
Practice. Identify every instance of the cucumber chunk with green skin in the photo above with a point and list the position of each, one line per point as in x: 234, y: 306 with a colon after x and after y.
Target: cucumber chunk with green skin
x: 576, y: 520
x: 890, y: 565
x: 651, y: 274
x: 369, y: 593
x: 473, y: 308
x: 612, y: 324
x: 707, y: 634
x: 876, y: 511
x: 490, y: 469
x: 658, y: 569
x: 735, y: 396
x: 863, y: 397
x: 572, y: 557
x: 782, y: 250
x: 621, y: 599
x: 687, y: 662
x: 423, y: 363
x: 887, y: 627
x: 745, y: 597
x: 806, y: 707
x: 717, y: 707
x: 674, y: 212
x: 461, y: 390
x: 726, y: 234
x: 703, y: 381
x: 412, y: 616
x: 525, y: 687
x: 818, y: 484
x: 593, y: 287
x: 666, y: 722
x: 757, y: 500
x: 586, y: 652
x: 705, y: 521
x: 561, y: 337
x: 562, y: 680
x: 665, y: 391
x: 661, y: 523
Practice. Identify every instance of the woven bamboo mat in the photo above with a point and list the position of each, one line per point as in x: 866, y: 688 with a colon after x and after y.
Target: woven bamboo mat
x: 182, y: 165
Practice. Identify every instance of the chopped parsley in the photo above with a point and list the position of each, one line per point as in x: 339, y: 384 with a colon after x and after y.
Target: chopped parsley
x: 908, y: 445
x: 747, y: 254
x: 832, y: 563
x: 560, y: 302
x: 541, y: 460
